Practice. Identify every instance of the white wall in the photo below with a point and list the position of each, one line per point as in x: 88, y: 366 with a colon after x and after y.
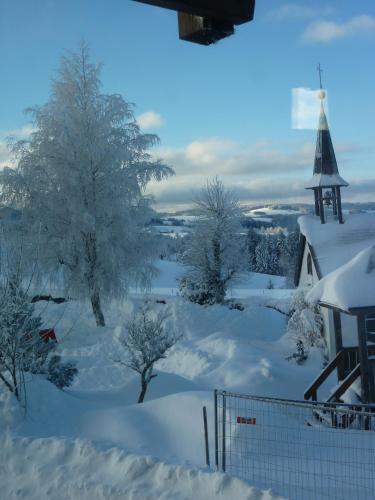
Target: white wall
x: 348, y: 323
x: 329, y: 331
x: 305, y: 279
x: 349, y: 330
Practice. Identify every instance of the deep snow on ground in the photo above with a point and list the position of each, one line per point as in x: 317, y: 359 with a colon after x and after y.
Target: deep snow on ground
x: 62, y: 469
x: 242, y: 351
x: 248, y: 284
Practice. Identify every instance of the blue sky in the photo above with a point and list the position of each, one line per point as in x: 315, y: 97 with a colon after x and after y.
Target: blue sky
x: 220, y: 110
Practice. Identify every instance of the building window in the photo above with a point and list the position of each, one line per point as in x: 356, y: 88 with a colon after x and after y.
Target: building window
x: 309, y: 264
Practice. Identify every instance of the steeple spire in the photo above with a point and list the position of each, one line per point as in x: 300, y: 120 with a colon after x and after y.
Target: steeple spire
x: 326, y: 173
x: 325, y: 159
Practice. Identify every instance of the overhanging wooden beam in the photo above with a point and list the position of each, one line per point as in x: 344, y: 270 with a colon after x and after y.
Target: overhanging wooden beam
x: 202, y: 30
x: 232, y: 11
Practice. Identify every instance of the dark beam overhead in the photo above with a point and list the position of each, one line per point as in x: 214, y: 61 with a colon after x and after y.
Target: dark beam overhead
x: 232, y: 11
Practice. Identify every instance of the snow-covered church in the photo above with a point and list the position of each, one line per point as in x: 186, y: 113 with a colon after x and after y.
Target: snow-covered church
x: 337, y: 262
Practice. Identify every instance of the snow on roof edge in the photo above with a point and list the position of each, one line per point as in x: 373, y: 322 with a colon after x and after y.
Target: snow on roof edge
x: 324, y: 180
x: 337, y: 290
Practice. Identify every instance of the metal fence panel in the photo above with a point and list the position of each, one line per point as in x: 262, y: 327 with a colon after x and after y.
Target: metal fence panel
x: 301, y: 450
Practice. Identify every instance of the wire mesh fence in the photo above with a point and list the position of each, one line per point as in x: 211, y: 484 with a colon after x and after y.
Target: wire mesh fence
x: 302, y: 450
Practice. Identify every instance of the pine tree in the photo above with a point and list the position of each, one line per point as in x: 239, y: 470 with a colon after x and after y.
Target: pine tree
x: 21, y: 347
x: 288, y: 256
x: 252, y: 240
x: 20, y: 344
x: 80, y: 182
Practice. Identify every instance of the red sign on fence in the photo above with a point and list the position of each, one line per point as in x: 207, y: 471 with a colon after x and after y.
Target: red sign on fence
x: 243, y: 420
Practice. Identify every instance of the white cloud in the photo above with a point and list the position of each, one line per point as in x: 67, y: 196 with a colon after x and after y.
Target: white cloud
x: 4, y: 155
x: 18, y: 134
x: 327, y: 31
x: 264, y: 171
x: 150, y: 119
x: 292, y: 11
x: 259, y: 190
x: 223, y: 157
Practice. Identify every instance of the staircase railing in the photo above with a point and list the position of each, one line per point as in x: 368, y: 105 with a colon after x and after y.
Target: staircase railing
x: 345, y: 384
x: 312, y: 391
x: 346, y: 362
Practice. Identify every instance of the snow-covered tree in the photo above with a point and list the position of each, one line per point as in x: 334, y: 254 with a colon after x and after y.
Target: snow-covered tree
x: 215, y: 252
x: 21, y: 347
x: 253, y: 238
x: 19, y: 339
x: 80, y: 182
x: 266, y: 255
x: 288, y: 256
x: 59, y: 373
x: 305, y: 325
x: 146, y: 341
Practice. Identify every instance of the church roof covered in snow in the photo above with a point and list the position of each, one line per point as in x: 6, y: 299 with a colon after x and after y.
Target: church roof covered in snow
x: 336, y: 244
x: 326, y: 173
x: 324, y: 180
x: 351, y: 286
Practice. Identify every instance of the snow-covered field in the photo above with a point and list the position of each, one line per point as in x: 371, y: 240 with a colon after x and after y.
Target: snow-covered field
x: 93, y: 441
x: 251, y: 284
x: 271, y: 211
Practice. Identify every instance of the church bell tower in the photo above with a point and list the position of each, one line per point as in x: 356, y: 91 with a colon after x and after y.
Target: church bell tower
x: 326, y: 181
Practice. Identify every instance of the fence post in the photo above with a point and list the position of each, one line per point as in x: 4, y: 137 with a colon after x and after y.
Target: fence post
x: 206, y: 436
x: 223, y: 434
x: 216, y: 433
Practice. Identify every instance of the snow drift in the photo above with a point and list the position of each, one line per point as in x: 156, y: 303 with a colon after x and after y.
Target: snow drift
x: 69, y: 470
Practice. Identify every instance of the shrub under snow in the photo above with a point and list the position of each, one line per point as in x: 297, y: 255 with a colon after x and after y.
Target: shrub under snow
x: 147, y: 340
x: 306, y: 326
x: 21, y: 347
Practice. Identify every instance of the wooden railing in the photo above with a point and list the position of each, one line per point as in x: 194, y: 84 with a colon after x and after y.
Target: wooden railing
x: 346, y: 362
x: 312, y: 391
x: 345, y: 384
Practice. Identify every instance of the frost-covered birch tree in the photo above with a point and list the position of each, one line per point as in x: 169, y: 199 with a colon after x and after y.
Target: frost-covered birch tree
x: 215, y: 252
x: 80, y: 182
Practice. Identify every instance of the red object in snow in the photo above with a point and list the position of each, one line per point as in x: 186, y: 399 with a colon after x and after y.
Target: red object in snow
x: 243, y: 420
x: 47, y: 335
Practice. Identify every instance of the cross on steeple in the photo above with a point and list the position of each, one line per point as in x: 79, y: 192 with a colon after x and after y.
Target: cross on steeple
x: 320, y: 71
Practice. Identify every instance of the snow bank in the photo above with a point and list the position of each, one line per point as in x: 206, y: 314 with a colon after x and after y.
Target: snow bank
x: 222, y: 348
x: 42, y: 469
x: 170, y: 428
x: 240, y: 351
